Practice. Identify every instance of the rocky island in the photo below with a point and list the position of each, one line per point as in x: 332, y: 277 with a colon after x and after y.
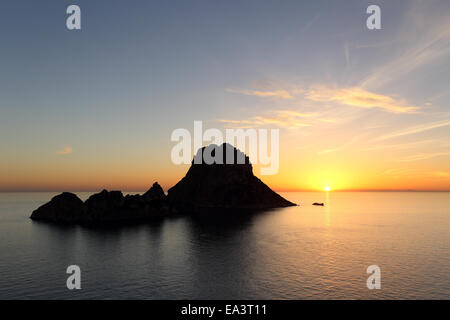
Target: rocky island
x: 205, y: 188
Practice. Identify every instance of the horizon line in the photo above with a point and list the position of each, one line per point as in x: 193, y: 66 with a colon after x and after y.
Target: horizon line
x: 276, y: 190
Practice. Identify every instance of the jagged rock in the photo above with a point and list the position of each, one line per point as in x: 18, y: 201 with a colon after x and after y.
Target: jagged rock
x: 150, y: 205
x: 155, y: 192
x: 232, y: 186
x: 65, y: 207
x: 214, y: 186
x: 105, y: 205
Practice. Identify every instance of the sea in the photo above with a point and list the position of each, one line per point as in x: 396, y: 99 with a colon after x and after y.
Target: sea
x: 303, y: 252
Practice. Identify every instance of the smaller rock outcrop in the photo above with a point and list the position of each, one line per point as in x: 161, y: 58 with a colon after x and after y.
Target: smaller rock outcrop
x: 155, y: 192
x: 65, y: 207
x: 318, y: 204
x: 105, y: 206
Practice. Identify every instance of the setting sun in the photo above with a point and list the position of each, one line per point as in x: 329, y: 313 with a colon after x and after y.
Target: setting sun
x: 327, y: 188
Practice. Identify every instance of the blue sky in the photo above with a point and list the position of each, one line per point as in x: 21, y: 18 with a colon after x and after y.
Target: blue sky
x: 110, y: 95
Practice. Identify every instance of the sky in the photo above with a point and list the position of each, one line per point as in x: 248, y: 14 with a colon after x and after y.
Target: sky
x: 357, y: 109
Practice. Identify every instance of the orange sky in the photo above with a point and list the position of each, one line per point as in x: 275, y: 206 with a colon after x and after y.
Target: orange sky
x: 357, y: 109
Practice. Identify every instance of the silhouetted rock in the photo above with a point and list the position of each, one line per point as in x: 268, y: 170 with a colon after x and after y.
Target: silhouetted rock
x: 66, y: 207
x: 150, y: 205
x: 215, y: 186
x: 105, y: 205
x: 155, y: 192
x: 221, y: 185
x: 318, y: 204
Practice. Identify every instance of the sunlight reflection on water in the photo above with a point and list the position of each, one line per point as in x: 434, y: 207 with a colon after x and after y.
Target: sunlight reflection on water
x: 304, y: 252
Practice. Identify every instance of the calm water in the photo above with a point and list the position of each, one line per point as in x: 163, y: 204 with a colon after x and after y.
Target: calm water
x: 302, y: 252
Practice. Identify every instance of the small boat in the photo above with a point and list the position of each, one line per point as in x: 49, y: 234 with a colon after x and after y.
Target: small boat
x: 318, y: 204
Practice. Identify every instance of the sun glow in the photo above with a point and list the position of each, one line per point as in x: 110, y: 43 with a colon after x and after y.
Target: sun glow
x: 327, y: 188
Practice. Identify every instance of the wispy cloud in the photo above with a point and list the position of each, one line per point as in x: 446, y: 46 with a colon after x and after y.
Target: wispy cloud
x: 347, y: 54
x: 441, y: 174
x: 407, y: 145
x: 342, y: 147
x: 350, y: 96
x: 409, y: 172
x: 64, y: 151
x: 280, y: 94
x: 415, y: 129
x: 358, y: 97
x: 399, y: 171
x: 282, y: 118
x: 310, y: 23
x: 423, y: 156
x: 421, y: 48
